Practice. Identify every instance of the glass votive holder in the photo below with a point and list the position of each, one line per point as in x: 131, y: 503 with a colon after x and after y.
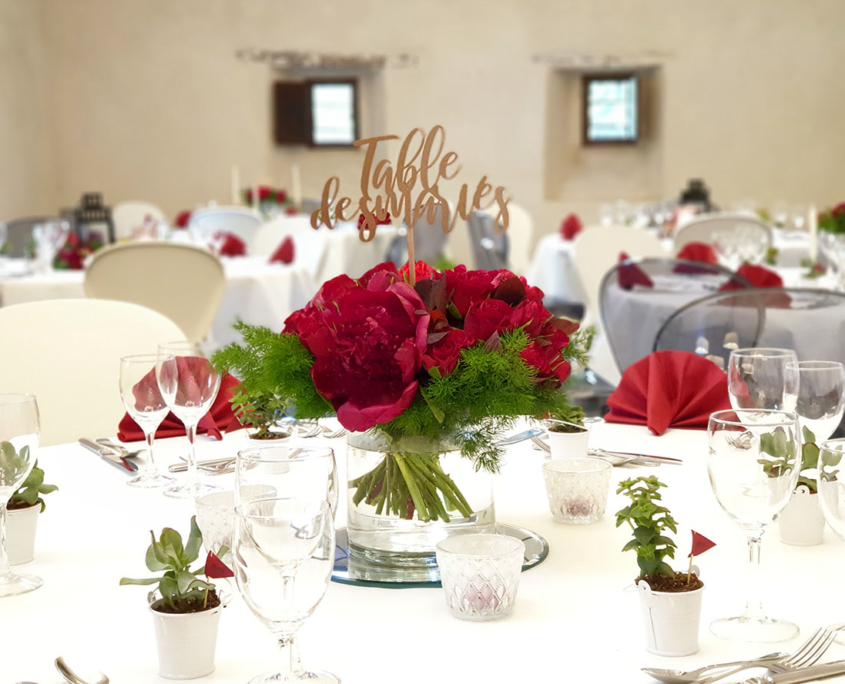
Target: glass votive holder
x: 480, y: 574
x: 577, y: 489
x: 216, y: 516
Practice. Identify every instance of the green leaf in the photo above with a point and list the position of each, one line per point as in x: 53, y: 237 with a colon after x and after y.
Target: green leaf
x: 157, y: 551
x: 809, y: 456
x: 30, y: 496
x: 47, y: 489
x: 809, y: 437
x: 142, y: 582
x: 631, y: 545
x: 192, y: 550
x: 645, y: 535
x: 171, y: 544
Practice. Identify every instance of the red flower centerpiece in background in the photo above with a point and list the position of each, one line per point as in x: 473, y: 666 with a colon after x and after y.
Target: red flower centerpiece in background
x: 73, y: 253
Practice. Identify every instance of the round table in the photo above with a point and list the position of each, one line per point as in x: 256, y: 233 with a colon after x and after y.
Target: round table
x: 576, y: 618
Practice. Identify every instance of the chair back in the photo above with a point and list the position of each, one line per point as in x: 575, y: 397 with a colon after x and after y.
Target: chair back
x: 703, y: 228
x: 309, y: 245
x: 239, y: 221
x: 180, y: 281
x: 19, y: 234
x: 489, y: 246
x: 630, y: 316
x: 429, y: 239
x: 520, y: 236
x: 129, y: 215
x: 67, y: 353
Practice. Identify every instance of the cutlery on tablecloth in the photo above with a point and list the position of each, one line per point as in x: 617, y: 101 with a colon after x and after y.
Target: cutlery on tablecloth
x: 119, y: 448
x: 110, y: 456
x: 807, y: 674
x: 73, y: 678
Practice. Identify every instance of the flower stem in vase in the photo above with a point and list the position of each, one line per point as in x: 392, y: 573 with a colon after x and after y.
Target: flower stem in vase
x: 404, y: 483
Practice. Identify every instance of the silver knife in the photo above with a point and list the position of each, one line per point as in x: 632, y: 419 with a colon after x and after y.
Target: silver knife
x: 109, y: 456
x: 807, y: 674
x: 642, y: 457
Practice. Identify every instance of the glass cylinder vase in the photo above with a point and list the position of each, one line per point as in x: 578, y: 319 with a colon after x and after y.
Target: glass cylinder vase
x: 404, y: 496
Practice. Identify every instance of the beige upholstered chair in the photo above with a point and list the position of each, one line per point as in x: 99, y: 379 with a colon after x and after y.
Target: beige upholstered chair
x: 183, y: 282
x: 129, y: 215
x: 67, y: 353
x: 520, y: 236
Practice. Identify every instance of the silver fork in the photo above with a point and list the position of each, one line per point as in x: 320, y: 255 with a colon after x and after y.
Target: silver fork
x: 813, y: 649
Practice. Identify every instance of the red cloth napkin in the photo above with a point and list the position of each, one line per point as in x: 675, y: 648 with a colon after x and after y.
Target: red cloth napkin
x: 233, y: 246
x: 284, y: 252
x: 570, y: 227
x: 669, y: 389
x: 384, y: 221
x: 182, y: 219
x: 695, y: 251
x: 219, y: 417
x: 631, y: 274
x: 762, y: 277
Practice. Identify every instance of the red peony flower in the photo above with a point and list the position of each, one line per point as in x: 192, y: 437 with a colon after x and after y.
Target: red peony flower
x: 281, y: 196
x: 421, y: 270
x: 445, y: 353
x: 488, y: 317
x: 544, y: 354
x: 367, y: 339
x: 182, y: 219
x: 265, y: 193
x: 384, y: 221
x: 570, y: 227
x: 838, y: 210
x: 467, y: 287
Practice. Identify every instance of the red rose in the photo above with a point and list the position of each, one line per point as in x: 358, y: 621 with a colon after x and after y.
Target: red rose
x: 381, y: 222
x: 570, y: 227
x: 367, y: 342
x: 265, y: 193
x: 421, y: 270
x: 838, y: 210
x: 467, y: 287
x: 446, y: 351
x: 281, y: 196
x: 182, y: 219
x: 487, y: 317
x: 544, y: 354
x: 532, y: 315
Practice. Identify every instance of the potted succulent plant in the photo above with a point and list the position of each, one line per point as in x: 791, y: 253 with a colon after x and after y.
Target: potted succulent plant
x: 567, y: 434
x: 185, y: 608
x: 801, y: 523
x: 259, y: 413
x: 670, y: 601
x: 22, y: 516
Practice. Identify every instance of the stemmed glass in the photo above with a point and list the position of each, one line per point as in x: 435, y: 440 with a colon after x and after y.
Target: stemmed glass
x: 753, y: 462
x: 19, y: 438
x: 756, y: 377
x: 189, y: 385
x: 284, y: 553
x: 143, y: 401
x: 814, y: 391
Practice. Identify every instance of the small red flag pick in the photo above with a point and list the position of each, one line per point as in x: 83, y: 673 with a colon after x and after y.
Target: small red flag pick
x: 216, y: 568
x: 700, y: 544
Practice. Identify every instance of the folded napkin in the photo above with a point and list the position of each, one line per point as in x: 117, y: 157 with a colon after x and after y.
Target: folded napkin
x: 695, y: 251
x: 631, y: 274
x: 758, y: 276
x: 284, y: 252
x: 669, y: 389
x: 232, y: 246
x: 570, y: 227
x: 381, y: 222
x: 182, y: 219
x: 219, y: 417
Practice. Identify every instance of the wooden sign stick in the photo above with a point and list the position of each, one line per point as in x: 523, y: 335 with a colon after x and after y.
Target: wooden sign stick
x: 412, y: 265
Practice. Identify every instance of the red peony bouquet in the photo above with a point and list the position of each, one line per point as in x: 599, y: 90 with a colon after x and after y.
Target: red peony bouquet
x: 833, y: 221
x: 73, y: 253
x: 461, y: 354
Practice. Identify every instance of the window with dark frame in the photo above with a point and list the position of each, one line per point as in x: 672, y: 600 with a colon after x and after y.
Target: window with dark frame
x: 611, y: 109
x: 317, y: 113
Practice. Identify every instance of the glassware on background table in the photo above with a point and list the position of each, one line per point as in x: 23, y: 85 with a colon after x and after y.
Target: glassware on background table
x: 284, y: 554
x: 780, y: 214
x: 577, y: 489
x: 142, y: 398
x: 798, y: 217
x: 189, y: 385
x: 753, y: 485
x: 480, y: 574
x: 286, y: 472
x: 756, y: 377
x: 49, y: 237
x: 20, y: 431
x: 726, y: 245
x: 814, y: 392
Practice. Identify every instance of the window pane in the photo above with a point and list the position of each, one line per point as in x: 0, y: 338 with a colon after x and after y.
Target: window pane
x: 612, y: 109
x: 333, y: 113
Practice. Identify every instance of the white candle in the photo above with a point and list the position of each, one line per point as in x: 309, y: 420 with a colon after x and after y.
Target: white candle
x: 295, y: 186
x: 255, y: 196
x: 813, y: 226
x: 236, y: 185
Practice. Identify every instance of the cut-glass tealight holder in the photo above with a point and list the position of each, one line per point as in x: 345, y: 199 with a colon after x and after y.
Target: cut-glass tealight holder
x: 577, y: 489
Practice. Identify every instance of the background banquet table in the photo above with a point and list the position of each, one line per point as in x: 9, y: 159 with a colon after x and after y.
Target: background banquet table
x: 257, y: 292
x: 576, y: 619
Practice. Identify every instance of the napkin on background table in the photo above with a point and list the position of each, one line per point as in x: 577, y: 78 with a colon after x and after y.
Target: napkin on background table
x: 220, y: 416
x: 232, y: 246
x: 285, y: 252
x: 669, y: 389
x: 570, y: 227
x: 631, y: 274
x: 759, y: 277
x: 696, y: 251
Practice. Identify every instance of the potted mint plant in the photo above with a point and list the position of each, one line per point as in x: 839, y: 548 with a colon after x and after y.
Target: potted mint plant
x: 670, y: 601
x: 567, y: 433
x: 22, y: 516
x: 801, y: 522
x: 185, y: 607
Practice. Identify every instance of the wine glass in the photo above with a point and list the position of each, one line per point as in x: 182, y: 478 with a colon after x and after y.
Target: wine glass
x: 19, y: 437
x: 143, y: 401
x: 726, y: 245
x: 189, y: 385
x: 756, y: 377
x: 284, y: 554
x: 753, y: 462
x: 287, y: 472
x: 831, y: 484
x: 814, y: 392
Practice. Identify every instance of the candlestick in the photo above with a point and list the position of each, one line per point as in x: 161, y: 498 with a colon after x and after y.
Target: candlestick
x: 295, y: 186
x: 813, y: 226
x: 236, y: 185
x: 255, y: 196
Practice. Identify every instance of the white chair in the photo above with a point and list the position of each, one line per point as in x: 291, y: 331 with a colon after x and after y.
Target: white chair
x: 129, y: 215
x: 67, y: 353
x: 181, y: 281
x: 309, y: 244
x: 520, y: 236
x: 702, y: 228
x: 239, y: 221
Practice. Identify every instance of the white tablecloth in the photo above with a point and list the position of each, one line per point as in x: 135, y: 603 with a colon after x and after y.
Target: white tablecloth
x: 256, y: 292
x: 574, y: 621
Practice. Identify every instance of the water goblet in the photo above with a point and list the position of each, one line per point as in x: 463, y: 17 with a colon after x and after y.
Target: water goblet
x: 143, y: 401
x: 814, y: 392
x: 189, y: 385
x: 753, y: 462
x: 19, y: 438
x: 756, y: 377
x: 284, y: 554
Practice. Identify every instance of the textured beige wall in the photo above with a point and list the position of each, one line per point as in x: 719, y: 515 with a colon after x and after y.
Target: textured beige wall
x: 26, y: 170
x: 147, y: 100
